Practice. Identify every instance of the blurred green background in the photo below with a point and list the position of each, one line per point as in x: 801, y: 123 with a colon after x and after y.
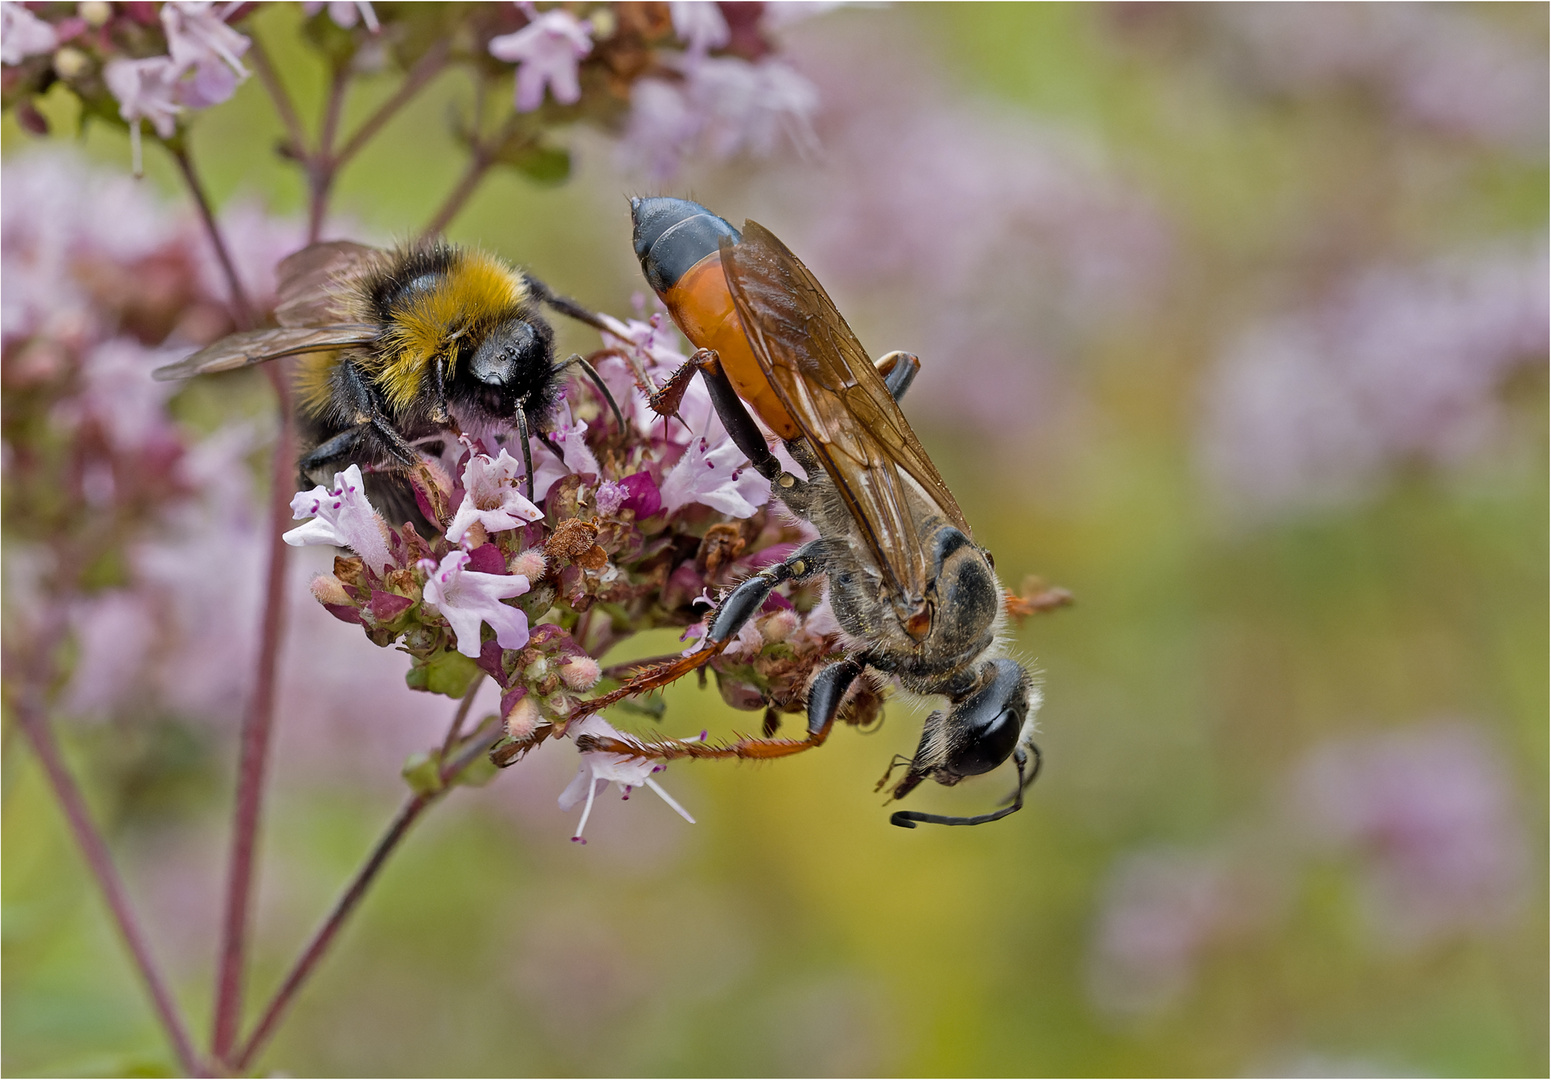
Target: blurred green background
x: 1210, y: 652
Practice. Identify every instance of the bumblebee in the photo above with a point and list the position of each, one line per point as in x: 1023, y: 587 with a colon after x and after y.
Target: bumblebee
x: 400, y: 348
x: 917, y: 599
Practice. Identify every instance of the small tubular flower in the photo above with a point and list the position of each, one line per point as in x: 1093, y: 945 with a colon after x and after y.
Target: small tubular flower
x: 23, y: 34
x: 341, y: 515
x: 547, y: 52
x: 467, y: 598
x: 492, y: 497
x: 146, y: 90
x: 715, y: 476
x: 625, y: 770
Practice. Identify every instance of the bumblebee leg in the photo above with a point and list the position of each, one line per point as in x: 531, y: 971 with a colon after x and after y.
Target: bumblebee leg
x: 563, y: 304
x: 603, y: 388
x: 899, y: 370
x: 337, y: 448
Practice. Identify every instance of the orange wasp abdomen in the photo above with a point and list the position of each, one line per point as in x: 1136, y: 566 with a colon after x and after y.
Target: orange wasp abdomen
x: 677, y: 243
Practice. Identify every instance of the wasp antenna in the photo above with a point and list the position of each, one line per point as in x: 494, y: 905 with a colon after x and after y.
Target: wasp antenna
x: 907, y: 819
x: 603, y: 388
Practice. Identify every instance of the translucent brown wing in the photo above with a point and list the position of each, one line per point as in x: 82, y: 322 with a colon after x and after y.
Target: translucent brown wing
x: 257, y: 346
x: 830, y: 387
x: 309, y: 292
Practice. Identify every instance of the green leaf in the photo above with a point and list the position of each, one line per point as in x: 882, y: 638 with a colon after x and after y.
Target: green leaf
x: 539, y: 163
x: 476, y: 773
x: 449, y: 673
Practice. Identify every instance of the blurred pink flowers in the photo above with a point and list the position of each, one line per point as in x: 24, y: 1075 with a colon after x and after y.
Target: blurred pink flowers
x: 23, y: 34
x: 547, y: 52
x: 1399, y: 364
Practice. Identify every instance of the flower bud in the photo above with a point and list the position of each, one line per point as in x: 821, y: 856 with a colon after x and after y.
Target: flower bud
x: 580, y: 672
x: 95, y: 13
x: 531, y: 564
x: 328, y: 589
x: 71, y: 63
x: 522, y: 717
x: 779, y: 625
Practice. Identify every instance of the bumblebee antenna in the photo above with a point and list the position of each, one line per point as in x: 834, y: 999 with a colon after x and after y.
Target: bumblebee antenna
x: 603, y: 389
x: 907, y: 819
x: 527, y: 451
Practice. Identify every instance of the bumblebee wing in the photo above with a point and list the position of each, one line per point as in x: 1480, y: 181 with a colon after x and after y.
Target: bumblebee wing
x: 308, y: 293
x: 257, y: 346
x: 830, y: 387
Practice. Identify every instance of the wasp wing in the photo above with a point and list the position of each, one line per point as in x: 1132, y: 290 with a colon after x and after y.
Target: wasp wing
x: 257, y: 346
x: 309, y: 291
x: 830, y: 387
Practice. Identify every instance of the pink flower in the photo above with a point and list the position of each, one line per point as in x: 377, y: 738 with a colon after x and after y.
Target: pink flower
x: 716, y: 476
x: 625, y: 770
x: 198, y: 38
x: 342, y: 516
x: 344, y: 13
x: 146, y: 90
x: 467, y: 598
x: 492, y: 497
x: 23, y: 34
x: 700, y: 25
x: 546, y: 52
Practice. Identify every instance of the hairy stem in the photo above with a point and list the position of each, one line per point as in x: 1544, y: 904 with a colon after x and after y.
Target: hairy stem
x: 33, y: 721
x: 257, y: 724
x: 242, y: 311
x: 426, y: 69
x: 324, y: 936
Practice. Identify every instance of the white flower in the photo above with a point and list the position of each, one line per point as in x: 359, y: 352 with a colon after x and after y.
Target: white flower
x: 344, y: 13
x: 715, y: 476
x: 23, y: 34
x: 342, y: 516
x: 467, y: 598
x: 546, y: 52
x: 492, y: 497
x: 198, y: 37
x: 626, y: 770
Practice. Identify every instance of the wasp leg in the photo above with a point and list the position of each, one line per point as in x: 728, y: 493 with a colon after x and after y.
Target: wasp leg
x: 745, y: 433
x: 741, y: 605
x: 899, y: 370
x: 824, y: 697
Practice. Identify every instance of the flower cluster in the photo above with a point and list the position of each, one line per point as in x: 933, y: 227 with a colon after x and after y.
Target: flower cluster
x: 633, y: 530
x: 690, y: 76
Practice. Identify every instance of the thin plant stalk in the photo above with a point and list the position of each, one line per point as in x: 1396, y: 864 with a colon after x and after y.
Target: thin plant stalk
x: 94, y: 849
x: 427, y: 68
x: 242, y: 310
x: 257, y: 727
x: 326, y: 934
x: 258, y: 56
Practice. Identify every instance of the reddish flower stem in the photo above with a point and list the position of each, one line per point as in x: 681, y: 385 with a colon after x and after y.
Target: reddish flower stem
x: 94, y: 850
x: 242, y: 311
x: 324, y: 936
x: 257, y: 724
x: 259, y: 57
x: 482, y: 157
x: 428, y: 67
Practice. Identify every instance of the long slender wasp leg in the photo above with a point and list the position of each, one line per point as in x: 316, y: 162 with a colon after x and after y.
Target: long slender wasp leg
x: 735, y: 417
x: 578, y: 360
x: 741, y: 605
x: 899, y: 370
x: 824, y: 698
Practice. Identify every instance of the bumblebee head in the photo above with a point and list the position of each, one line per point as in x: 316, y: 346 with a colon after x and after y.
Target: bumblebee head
x: 982, y: 728
x: 512, y: 367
